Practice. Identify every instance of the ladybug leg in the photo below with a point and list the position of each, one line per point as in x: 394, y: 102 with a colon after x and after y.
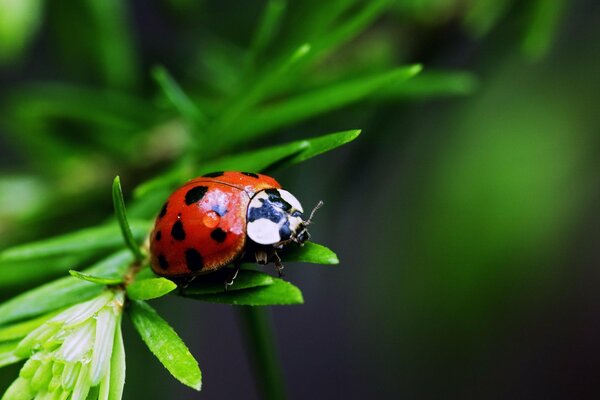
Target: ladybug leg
x: 278, y: 264
x: 184, y: 285
x: 262, y: 257
x: 236, y: 271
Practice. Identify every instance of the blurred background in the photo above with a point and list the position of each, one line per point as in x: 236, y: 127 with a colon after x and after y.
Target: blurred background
x: 465, y: 215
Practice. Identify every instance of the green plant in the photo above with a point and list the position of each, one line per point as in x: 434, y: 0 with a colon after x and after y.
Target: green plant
x: 90, y: 303
x: 288, y: 75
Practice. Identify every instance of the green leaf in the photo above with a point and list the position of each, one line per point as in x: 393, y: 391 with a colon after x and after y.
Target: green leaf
x: 346, y: 29
x: 320, y: 145
x: 483, y: 15
x: 177, y: 97
x: 114, y: 49
x: 545, y: 18
x: 7, y: 355
x: 214, y: 282
x: 22, y: 329
x: 316, y: 102
x: 20, y: 273
x: 119, y: 205
x: 100, y: 107
x: 95, y: 279
x: 165, y: 344
x: 280, y: 156
x: 268, y: 28
x: 117, y: 366
x: 19, y: 22
x: 257, y: 160
x: 310, y: 253
x: 62, y: 292
x: 431, y: 84
x: 82, y: 241
x: 152, y: 288
x: 279, y: 292
x: 225, y: 128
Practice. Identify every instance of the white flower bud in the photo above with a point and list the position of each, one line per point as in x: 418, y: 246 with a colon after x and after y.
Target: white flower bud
x: 70, y: 353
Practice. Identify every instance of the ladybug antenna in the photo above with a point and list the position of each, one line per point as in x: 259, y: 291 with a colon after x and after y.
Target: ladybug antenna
x: 312, y: 213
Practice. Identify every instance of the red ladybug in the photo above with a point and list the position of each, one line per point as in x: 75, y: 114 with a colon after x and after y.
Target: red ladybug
x: 222, y: 218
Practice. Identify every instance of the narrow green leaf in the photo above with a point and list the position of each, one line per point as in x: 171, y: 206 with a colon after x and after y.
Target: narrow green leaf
x: 102, y: 107
x: 178, y: 173
x: 119, y: 205
x: 165, y: 344
x: 177, y: 97
x: 19, y: 21
x: 7, y: 355
x: 16, y: 274
x: 22, y: 329
x: 265, y: 159
x: 545, y: 18
x: 316, y: 102
x: 281, y: 156
x: 101, y: 280
x: 114, y: 48
x: 310, y: 253
x: 345, y: 30
x: 230, y: 117
x: 483, y: 15
x: 215, y: 282
x: 257, y: 160
x: 62, y: 292
x: 97, y: 238
x: 152, y: 288
x: 117, y: 366
x: 319, y: 145
x: 267, y: 28
x: 431, y: 84
x: 279, y: 292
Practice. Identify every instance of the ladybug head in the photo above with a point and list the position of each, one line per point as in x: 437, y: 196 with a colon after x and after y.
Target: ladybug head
x: 275, y: 217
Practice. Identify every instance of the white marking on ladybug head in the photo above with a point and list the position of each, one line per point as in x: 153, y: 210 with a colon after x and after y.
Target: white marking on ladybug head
x: 263, y: 231
x: 293, y: 201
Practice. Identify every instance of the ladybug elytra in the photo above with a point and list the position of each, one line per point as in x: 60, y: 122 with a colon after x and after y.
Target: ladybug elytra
x: 223, y: 218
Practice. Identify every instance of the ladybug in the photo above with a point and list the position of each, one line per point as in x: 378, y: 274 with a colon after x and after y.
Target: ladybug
x: 223, y: 218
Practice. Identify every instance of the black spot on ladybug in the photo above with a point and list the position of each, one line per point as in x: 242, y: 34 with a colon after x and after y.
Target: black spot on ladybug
x: 219, y: 209
x: 177, y: 231
x: 218, y: 235
x: 158, y: 236
x: 250, y: 174
x: 195, y: 194
x: 163, y: 210
x: 213, y: 174
x: 162, y: 262
x: 193, y: 260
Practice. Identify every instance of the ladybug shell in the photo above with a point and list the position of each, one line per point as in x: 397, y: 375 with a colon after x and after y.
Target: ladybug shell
x: 202, y: 226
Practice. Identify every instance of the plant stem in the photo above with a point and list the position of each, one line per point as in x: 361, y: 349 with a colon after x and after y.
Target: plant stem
x: 262, y: 352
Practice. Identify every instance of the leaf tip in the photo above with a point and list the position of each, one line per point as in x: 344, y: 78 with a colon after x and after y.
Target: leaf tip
x: 157, y: 71
x: 415, y: 69
x: 353, y: 134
